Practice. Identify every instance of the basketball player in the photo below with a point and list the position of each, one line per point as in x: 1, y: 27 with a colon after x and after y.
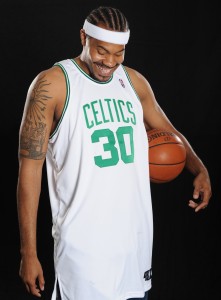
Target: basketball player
x: 88, y: 117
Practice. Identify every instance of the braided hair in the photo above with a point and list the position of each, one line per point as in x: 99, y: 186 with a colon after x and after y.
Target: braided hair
x: 113, y: 18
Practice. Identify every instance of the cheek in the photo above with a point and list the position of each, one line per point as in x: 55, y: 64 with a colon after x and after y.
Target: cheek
x: 120, y: 59
x: 95, y: 56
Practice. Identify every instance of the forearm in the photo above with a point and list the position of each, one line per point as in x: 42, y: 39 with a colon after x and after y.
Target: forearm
x: 193, y: 163
x: 28, y: 192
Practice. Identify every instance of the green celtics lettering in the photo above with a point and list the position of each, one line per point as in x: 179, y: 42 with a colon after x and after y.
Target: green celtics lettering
x: 119, y: 145
x: 108, y: 110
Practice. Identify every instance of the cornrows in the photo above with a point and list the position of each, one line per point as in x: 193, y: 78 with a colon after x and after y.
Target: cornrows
x: 113, y: 18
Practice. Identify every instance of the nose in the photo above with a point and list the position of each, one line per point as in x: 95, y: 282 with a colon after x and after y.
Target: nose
x: 109, y: 61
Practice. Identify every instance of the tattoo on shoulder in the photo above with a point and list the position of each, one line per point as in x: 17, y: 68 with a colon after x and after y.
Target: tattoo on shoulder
x: 34, y: 128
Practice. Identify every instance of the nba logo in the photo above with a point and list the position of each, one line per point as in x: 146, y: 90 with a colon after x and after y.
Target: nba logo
x: 122, y: 83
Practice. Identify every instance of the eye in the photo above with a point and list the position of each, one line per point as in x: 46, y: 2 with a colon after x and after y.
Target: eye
x: 101, y: 51
x: 119, y: 54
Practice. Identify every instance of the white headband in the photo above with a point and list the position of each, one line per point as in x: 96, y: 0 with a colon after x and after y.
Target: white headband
x: 105, y: 35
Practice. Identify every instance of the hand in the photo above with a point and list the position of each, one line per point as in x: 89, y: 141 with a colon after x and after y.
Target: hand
x: 31, y: 274
x: 202, y: 191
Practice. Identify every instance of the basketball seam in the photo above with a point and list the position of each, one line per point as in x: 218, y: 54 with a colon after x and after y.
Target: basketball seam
x: 167, y: 143
x: 172, y: 164
x: 156, y: 180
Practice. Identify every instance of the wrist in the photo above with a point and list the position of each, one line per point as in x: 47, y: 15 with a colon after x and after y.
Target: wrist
x: 28, y: 253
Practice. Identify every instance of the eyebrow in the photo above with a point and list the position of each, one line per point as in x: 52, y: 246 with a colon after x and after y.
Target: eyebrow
x: 122, y: 50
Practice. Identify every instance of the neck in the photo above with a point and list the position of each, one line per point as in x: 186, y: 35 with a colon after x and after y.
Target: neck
x: 82, y: 64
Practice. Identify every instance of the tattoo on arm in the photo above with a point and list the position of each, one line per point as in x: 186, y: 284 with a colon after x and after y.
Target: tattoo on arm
x: 34, y: 128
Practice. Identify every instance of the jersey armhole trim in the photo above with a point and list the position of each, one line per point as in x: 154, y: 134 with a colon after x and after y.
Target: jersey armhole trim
x: 67, y: 81
x: 128, y: 77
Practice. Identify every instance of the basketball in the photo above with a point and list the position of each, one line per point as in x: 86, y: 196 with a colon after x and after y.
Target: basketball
x: 167, y: 155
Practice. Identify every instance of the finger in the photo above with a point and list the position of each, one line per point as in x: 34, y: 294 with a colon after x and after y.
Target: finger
x: 192, y: 204
x: 34, y: 290
x: 41, y: 282
x: 27, y: 288
x: 206, y: 195
x: 196, y: 193
x: 200, y: 206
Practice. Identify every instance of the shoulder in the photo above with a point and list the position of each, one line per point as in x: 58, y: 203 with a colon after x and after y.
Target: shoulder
x: 51, y: 80
x: 48, y: 88
x: 140, y: 82
x: 54, y: 75
x: 135, y: 76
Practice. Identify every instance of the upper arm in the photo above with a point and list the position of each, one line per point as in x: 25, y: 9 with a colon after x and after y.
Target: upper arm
x: 154, y: 116
x: 39, y: 115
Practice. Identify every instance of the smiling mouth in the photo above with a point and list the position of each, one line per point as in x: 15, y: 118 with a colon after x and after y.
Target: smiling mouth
x: 104, y: 70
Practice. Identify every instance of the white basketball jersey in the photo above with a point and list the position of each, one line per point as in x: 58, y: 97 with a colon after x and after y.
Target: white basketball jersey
x: 98, y: 178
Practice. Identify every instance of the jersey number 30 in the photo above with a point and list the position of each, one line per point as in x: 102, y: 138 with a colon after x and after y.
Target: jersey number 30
x: 119, y: 145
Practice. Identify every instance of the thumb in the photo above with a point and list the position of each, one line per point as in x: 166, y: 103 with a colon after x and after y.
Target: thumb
x: 196, y: 193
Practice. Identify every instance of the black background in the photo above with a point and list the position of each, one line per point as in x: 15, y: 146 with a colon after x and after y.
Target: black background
x: 177, y: 46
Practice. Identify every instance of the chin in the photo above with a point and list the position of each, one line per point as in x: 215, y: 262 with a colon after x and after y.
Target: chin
x: 103, y: 79
x: 100, y: 77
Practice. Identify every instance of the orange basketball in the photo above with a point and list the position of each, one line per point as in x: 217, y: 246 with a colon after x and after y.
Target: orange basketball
x: 167, y: 155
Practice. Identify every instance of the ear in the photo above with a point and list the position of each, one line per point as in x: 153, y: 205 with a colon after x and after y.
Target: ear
x: 83, y: 37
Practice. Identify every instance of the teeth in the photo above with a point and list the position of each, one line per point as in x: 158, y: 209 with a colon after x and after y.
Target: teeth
x: 104, y: 70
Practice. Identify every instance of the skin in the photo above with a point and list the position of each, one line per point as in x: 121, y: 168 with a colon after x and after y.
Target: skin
x: 43, y: 108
